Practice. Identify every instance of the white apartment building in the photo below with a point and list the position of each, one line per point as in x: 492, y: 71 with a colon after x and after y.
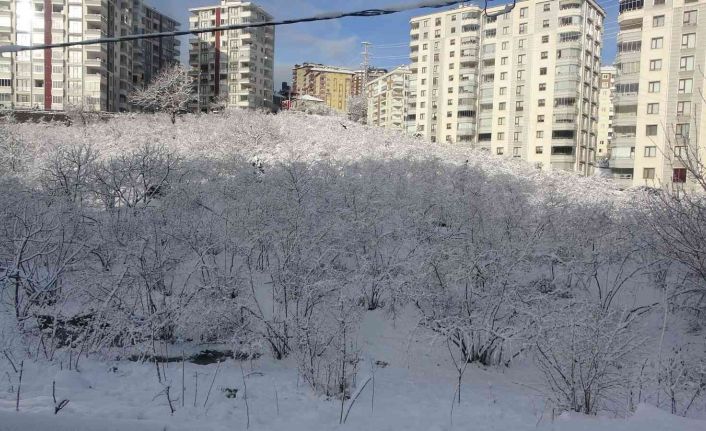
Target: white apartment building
x: 522, y: 84
x: 235, y: 65
x: 659, y: 109
x: 98, y: 77
x: 605, y: 111
x: 388, y: 98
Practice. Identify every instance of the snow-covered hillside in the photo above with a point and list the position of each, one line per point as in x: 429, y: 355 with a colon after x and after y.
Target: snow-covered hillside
x: 344, y: 271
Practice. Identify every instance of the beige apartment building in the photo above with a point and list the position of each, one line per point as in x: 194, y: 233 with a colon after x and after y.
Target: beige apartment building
x: 234, y: 66
x: 333, y: 85
x: 659, y: 109
x: 97, y: 77
x: 522, y: 84
x: 388, y: 98
x: 605, y: 112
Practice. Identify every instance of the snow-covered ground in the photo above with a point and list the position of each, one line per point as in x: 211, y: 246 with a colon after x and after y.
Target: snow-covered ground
x: 414, y: 392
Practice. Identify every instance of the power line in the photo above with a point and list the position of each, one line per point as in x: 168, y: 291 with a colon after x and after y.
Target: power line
x: 424, y: 4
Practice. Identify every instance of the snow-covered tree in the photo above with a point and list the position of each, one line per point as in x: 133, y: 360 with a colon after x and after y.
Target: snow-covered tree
x: 170, y: 91
x: 358, y: 109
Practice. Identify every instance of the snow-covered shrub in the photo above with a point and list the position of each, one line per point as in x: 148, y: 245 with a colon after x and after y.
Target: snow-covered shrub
x: 585, y: 354
x: 253, y: 229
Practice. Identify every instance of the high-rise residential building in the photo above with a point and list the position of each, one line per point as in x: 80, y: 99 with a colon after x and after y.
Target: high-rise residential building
x: 331, y: 84
x: 605, y: 111
x: 360, y: 79
x: 96, y: 77
x: 388, y: 98
x: 234, y: 66
x: 151, y: 55
x: 522, y: 84
x: 659, y: 106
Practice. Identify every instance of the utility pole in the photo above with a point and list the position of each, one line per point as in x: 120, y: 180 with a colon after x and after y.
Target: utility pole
x: 366, y: 64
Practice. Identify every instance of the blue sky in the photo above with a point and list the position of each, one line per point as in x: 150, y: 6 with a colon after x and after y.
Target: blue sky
x: 339, y: 42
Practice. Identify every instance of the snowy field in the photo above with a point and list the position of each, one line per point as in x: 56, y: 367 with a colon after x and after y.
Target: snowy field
x: 413, y: 392
x: 349, y: 268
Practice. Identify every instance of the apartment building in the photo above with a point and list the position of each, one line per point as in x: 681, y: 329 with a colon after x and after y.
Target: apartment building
x: 97, y: 77
x: 605, y: 111
x: 234, y: 66
x: 522, y: 84
x: 388, y: 98
x: 360, y: 79
x: 659, y: 109
x: 151, y: 55
x: 333, y: 85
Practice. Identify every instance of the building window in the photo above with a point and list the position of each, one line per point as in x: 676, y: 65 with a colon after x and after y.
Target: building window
x: 684, y: 108
x: 653, y: 108
x: 500, y: 151
x: 690, y: 17
x: 654, y: 87
x: 657, y: 42
x: 658, y: 21
x: 679, y: 175
x: 688, y: 41
x: 682, y: 130
x: 650, y: 151
x: 545, y: 23
x: 542, y: 71
x: 648, y: 173
x: 540, y: 134
x: 523, y: 12
x: 541, y: 103
x: 545, y: 39
x: 501, y: 121
x: 543, y: 86
x: 686, y: 86
x: 523, y: 28
x: 501, y: 106
x: 539, y: 150
x: 545, y: 55
x: 686, y: 64
x: 655, y: 65
x: 540, y: 118
x: 651, y: 130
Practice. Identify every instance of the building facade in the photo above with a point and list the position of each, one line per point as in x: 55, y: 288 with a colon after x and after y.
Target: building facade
x: 360, y: 79
x: 659, y: 109
x: 388, y: 98
x: 605, y: 112
x: 95, y: 77
x: 333, y: 85
x: 234, y: 67
x: 522, y: 84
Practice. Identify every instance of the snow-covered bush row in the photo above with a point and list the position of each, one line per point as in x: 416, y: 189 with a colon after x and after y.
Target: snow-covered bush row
x: 277, y: 232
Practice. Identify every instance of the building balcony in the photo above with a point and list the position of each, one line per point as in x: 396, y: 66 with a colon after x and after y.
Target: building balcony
x: 624, y: 120
x: 626, y: 98
x: 622, y: 162
x: 91, y: 34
